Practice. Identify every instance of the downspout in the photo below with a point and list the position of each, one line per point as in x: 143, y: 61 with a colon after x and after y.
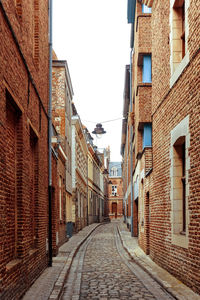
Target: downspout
x: 126, y: 199
x: 131, y: 109
x: 131, y: 144
x: 87, y: 187
x: 50, y: 132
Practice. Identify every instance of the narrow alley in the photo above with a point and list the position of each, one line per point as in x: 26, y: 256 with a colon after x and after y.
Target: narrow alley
x: 99, y: 150
x: 103, y: 261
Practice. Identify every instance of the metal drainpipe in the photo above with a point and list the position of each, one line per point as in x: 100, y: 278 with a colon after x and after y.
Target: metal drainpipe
x: 50, y: 131
x: 131, y: 144
x: 126, y: 200
x: 131, y: 109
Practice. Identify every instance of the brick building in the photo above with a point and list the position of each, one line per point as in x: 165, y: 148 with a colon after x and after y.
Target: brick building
x: 79, y: 172
x: 115, y: 192
x: 95, y: 199
x: 62, y: 94
x: 165, y: 162
x: 23, y: 144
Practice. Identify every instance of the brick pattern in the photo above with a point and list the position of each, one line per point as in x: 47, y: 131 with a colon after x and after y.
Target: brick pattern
x: 23, y: 149
x: 174, y: 98
x: 18, y: 4
x: 61, y: 117
x: 174, y: 105
x: 36, y: 47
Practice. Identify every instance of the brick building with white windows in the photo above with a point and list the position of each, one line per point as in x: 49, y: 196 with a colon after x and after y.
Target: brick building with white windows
x: 115, y: 192
x: 166, y: 183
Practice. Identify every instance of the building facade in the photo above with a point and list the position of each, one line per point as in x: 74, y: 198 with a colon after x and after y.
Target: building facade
x: 23, y: 144
x: 115, y: 192
x: 164, y: 109
x: 79, y: 173
x: 62, y: 94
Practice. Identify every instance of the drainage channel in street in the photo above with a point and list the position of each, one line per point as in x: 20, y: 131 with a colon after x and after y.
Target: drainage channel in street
x: 153, y: 286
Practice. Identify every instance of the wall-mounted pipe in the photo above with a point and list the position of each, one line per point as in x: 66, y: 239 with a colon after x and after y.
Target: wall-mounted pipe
x: 131, y: 110
x: 50, y: 131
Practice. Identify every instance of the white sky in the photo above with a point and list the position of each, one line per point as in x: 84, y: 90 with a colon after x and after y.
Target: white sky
x: 94, y: 37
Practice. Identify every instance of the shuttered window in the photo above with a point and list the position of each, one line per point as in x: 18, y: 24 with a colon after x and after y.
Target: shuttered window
x: 146, y: 72
x: 147, y: 136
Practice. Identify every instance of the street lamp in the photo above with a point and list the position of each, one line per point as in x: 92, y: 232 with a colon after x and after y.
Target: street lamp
x: 99, y: 130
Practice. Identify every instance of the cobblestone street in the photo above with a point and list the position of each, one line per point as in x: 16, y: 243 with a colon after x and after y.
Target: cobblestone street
x: 103, y: 273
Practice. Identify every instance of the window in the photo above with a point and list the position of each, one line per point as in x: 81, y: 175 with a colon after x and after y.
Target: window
x: 147, y: 135
x: 179, y: 34
x: 13, y: 172
x: 146, y: 9
x: 179, y: 184
x: 113, y: 171
x: 36, y: 33
x: 18, y: 5
x: 34, y: 185
x: 180, y: 164
x: 179, y: 31
x: 146, y: 71
x: 60, y: 197
x: 136, y: 188
x: 79, y: 205
x: 114, y: 190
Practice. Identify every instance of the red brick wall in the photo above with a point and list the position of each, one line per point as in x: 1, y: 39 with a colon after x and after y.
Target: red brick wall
x: 23, y: 162
x: 61, y: 223
x: 170, y: 106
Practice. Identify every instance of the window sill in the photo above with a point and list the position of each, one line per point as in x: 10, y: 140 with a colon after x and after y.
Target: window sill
x: 179, y: 70
x: 143, y: 84
x: 32, y: 252
x: 143, y: 15
x: 180, y: 240
x: 12, y: 264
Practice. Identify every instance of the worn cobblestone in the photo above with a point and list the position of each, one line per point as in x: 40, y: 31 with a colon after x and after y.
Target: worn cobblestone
x: 104, y: 274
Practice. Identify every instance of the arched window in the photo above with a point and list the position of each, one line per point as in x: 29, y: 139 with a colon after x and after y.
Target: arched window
x: 180, y: 183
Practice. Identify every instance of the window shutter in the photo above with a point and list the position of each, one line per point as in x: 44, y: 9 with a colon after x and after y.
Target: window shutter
x: 146, y: 72
x: 147, y: 136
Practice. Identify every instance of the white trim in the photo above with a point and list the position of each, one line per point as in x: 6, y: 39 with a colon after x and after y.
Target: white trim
x: 182, y: 129
x: 183, y: 64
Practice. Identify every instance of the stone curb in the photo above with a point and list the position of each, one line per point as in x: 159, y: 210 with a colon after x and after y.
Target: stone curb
x: 150, y: 267
x: 59, y: 284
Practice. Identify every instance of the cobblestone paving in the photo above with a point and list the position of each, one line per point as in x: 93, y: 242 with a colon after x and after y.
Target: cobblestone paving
x: 106, y: 276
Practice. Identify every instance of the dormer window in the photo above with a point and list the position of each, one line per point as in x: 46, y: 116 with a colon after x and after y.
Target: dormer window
x: 113, y: 172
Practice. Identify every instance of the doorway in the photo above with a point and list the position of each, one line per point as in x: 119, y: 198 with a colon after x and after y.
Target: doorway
x: 114, y: 209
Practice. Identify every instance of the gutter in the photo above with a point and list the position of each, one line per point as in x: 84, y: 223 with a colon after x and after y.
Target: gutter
x: 131, y: 110
x: 50, y: 134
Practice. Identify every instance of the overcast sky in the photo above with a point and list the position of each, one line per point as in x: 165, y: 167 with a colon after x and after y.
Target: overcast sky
x: 94, y: 37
